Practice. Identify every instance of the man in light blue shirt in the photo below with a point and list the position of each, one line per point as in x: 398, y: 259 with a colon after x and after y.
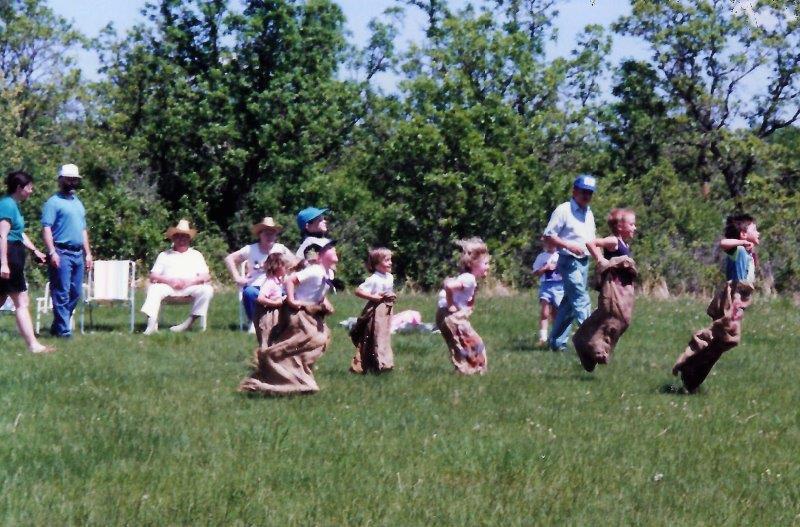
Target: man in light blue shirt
x: 67, y: 241
x: 571, y: 226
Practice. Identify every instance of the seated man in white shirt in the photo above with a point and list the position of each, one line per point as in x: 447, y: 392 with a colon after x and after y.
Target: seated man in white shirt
x: 180, y: 271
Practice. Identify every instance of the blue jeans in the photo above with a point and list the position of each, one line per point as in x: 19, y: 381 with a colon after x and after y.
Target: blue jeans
x: 576, y: 304
x: 65, y: 289
x: 249, y: 295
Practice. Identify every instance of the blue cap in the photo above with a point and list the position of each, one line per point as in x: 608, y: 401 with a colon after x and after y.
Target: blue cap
x: 585, y: 182
x: 308, y: 214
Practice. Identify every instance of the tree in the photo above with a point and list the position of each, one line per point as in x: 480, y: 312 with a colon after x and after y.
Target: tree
x: 704, y: 52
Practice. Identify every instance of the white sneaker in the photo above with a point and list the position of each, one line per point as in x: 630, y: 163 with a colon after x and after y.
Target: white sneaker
x: 183, y: 326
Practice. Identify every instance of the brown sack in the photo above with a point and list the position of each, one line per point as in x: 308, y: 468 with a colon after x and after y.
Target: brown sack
x: 286, y: 365
x: 467, y: 351
x: 372, y: 336
x: 724, y: 333
x: 265, y: 320
x: 598, y: 335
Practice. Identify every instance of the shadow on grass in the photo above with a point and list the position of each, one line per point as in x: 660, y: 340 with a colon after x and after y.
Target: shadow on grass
x: 672, y: 388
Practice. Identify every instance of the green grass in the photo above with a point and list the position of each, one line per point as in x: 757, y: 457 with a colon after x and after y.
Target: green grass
x: 123, y: 429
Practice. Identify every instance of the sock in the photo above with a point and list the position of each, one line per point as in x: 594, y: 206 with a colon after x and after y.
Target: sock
x: 543, y: 335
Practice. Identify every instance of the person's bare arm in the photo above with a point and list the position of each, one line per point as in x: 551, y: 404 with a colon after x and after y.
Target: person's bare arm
x: 232, y: 262
x: 291, y: 282
x: 87, y: 250
x: 31, y: 247
x: 596, y: 246
x: 572, y: 247
x: 729, y: 244
x: 50, y: 246
x: 451, y: 285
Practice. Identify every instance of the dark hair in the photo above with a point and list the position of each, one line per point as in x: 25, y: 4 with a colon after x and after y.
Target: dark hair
x: 735, y: 224
x: 17, y: 179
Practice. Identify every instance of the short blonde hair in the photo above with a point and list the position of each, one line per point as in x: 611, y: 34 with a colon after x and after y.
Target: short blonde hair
x: 472, y: 250
x: 376, y: 256
x: 616, y: 216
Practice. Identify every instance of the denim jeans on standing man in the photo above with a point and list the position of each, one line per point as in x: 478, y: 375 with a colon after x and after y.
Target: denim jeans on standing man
x: 66, y: 282
x: 576, y: 304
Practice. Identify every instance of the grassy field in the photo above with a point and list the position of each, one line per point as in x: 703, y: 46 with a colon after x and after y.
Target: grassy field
x: 124, y: 429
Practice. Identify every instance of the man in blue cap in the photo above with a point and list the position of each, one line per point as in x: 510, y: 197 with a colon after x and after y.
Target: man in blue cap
x: 571, y: 226
x: 313, y: 229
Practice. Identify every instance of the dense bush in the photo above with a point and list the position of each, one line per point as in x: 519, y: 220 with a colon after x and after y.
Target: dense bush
x: 224, y: 116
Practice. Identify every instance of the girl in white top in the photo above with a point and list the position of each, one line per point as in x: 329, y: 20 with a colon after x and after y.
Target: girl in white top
x: 456, y: 300
x: 271, y: 295
x: 372, y: 332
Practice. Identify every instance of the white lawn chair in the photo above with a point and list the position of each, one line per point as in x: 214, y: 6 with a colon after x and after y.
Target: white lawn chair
x: 110, y: 282
x: 44, y: 304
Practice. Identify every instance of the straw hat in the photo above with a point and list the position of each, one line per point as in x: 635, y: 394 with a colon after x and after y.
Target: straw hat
x: 266, y: 224
x: 181, y: 228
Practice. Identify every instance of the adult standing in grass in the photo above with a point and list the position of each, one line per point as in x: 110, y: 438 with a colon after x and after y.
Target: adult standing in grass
x: 571, y: 226
x: 13, y: 242
x: 266, y: 231
x: 180, y: 271
x: 67, y: 240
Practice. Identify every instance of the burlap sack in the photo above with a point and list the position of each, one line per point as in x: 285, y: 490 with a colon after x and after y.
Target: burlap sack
x: 467, y: 351
x: 725, y: 332
x: 286, y: 364
x: 598, y: 335
x: 372, y: 337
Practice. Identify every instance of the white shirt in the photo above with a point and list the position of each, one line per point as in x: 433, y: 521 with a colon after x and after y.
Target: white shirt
x: 543, y: 259
x: 255, y: 259
x: 186, y: 265
x: 308, y: 241
x: 572, y: 223
x: 314, y: 282
x: 461, y: 297
x: 378, y: 284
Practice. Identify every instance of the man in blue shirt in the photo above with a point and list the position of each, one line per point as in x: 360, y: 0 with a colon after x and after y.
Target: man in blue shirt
x: 67, y: 241
x: 570, y: 227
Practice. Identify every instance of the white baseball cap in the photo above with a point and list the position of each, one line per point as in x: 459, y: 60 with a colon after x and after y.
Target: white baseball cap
x: 69, y: 171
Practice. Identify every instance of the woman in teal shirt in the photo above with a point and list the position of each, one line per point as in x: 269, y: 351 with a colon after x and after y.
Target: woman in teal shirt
x: 13, y: 242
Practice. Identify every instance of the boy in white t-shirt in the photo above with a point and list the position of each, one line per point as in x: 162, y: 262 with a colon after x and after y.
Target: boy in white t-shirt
x: 551, y: 287
x: 372, y: 332
x: 286, y: 365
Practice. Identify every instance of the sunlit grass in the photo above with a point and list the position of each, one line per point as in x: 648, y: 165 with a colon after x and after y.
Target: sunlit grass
x: 125, y: 429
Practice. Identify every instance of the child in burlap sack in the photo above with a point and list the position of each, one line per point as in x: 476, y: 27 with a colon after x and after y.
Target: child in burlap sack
x: 372, y: 332
x: 300, y: 336
x: 597, y: 337
x: 455, y: 305
x: 727, y: 307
